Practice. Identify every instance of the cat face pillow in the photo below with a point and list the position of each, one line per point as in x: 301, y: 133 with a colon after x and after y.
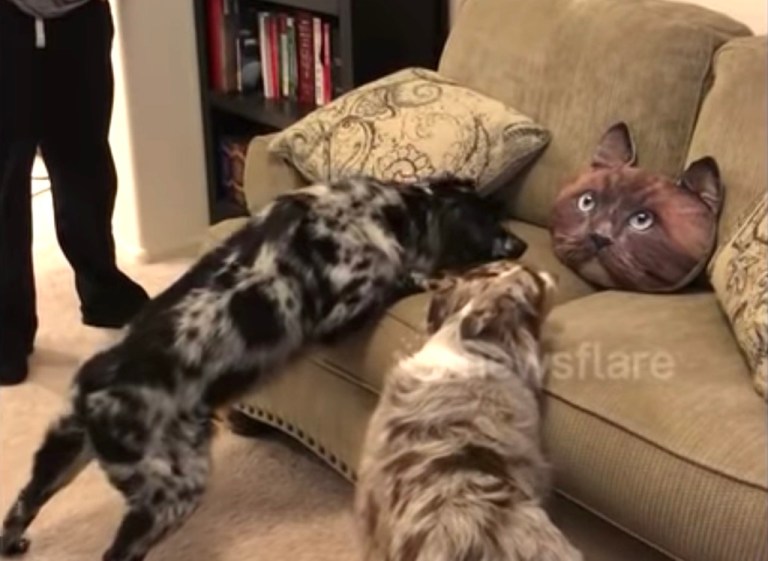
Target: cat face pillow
x: 621, y: 226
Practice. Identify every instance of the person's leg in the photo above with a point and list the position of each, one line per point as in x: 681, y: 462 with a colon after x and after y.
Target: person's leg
x: 19, y: 86
x: 75, y: 147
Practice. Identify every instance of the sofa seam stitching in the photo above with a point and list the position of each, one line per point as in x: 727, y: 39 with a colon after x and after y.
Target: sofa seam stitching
x: 657, y: 445
x: 615, y: 524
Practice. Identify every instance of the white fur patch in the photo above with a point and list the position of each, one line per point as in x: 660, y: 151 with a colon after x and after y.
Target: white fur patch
x: 439, y: 359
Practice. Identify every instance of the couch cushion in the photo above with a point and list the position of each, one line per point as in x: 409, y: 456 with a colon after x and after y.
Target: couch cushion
x: 652, y: 422
x: 267, y: 175
x: 371, y: 351
x: 368, y: 353
x: 732, y: 127
x: 220, y: 231
x: 576, y: 66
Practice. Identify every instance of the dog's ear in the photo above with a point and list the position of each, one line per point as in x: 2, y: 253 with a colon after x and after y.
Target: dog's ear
x: 439, y: 306
x: 441, y: 281
x: 473, y: 324
x: 453, y: 293
x: 489, y: 324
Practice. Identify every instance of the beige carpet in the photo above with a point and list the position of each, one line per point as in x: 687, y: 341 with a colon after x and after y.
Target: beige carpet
x: 268, y: 499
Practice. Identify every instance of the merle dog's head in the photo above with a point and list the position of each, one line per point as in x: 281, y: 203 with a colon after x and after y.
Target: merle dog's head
x: 465, y: 228
x: 496, y: 310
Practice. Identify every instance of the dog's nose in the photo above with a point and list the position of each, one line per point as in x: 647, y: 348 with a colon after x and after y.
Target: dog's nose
x: 599, y: 241
x: 509, y: 247
x: 517, y: 247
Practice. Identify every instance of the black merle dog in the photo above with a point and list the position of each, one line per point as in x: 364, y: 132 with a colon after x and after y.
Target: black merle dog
x: 310, y: 265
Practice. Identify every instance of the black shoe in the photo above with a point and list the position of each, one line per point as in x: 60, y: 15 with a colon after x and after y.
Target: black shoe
x: 13, y: 371
x: 120, y: 312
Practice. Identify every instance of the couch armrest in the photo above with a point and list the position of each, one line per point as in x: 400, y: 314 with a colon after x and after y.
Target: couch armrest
x: 266, y: 175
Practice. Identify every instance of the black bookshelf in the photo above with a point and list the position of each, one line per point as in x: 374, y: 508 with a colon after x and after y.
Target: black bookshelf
x: 276, y: 114
x: 375, y: 38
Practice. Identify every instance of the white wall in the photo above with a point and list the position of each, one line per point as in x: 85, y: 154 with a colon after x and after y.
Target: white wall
x: 156, y: 130
x: 752, y: 12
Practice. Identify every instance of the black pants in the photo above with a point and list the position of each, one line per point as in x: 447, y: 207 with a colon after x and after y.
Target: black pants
x: 58, y: 97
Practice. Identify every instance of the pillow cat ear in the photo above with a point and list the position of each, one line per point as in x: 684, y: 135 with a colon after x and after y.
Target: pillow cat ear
x: 616, y: 148
x: 703, y: 179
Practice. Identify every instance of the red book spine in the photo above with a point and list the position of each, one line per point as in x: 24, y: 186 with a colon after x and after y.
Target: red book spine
x: 327, y: 91
x: 229, y: 61
x: 306, y: 90
x: 215, y: 29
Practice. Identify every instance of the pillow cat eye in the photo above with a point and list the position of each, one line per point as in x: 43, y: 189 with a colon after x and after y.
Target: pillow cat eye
x: 586, y: 202
x: 642, y: 220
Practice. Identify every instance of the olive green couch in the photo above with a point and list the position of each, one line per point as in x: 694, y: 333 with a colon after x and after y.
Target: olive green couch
x: 650, y: 464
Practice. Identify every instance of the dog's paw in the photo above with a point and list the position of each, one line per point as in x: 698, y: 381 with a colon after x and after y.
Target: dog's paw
x: 410, y: 283
x: 420, y: 281
x: 12, y: 547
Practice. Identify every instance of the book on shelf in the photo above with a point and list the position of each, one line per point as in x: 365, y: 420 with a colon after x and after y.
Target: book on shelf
x: 233, y: 150
x: 298, y: 47
x: 284, y: 54
x: 233, y: 46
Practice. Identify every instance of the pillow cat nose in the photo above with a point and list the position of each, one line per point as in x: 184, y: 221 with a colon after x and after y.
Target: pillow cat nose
x: 599, y: 241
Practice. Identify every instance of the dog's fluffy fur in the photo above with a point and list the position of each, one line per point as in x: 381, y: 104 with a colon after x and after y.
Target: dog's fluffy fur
x: 452, y: 467
x: 311, y: 264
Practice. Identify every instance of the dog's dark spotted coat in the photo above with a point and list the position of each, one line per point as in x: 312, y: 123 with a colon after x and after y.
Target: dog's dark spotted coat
x: 310, y: 265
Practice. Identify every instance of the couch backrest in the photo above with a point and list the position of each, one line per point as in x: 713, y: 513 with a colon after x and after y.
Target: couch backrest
x: 577, y: 66
x: 732, y: 128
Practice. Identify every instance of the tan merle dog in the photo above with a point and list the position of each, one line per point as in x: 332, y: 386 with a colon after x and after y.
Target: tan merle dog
x: 307, y: 267
x: 452, y: 467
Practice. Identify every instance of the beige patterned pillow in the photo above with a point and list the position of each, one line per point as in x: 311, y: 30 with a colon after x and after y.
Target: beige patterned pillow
x: 413, y: 124
x: 739, y: 275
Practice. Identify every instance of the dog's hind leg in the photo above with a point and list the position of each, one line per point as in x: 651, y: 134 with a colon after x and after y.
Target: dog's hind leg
x: 162, y: 491
x: 62, y: 456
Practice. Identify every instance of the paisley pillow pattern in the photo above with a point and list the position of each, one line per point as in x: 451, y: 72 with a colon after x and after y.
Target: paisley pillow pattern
x: 413, y: 124
x: 739, y: 274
